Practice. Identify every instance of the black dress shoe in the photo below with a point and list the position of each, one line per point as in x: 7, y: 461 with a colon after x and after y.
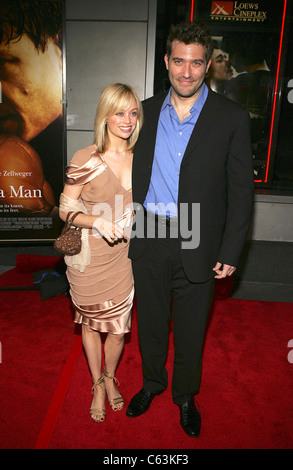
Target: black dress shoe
x: 140, y: 403
x: 190, y: 419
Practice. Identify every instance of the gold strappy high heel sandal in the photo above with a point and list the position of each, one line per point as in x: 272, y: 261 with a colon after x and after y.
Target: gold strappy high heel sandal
x: 98, y: 414
x: 116, y: 401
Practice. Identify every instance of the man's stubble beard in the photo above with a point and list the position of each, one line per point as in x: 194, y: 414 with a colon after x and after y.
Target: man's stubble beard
x: 192, y: 92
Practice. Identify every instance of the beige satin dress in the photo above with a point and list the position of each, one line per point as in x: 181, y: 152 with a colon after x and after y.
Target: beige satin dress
x: 102, y: 295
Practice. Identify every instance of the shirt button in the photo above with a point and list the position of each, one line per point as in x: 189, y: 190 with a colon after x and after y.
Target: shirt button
x: 179, y: 154
x: 180, y: 133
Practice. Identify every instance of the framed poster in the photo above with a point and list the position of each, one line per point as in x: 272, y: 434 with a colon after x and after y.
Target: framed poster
x: 246, y: 62
x: 32, y: 124
x: 283, y: 168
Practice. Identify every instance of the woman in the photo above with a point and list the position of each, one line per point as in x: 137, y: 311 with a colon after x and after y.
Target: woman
x: 98, y: 183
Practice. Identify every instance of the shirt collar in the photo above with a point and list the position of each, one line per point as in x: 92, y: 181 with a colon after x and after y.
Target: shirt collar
x: 197, y: 105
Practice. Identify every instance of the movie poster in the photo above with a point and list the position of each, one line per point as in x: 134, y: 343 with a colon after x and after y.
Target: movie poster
x: 245, y: 64
x: 283, y: 168
x: 32, y: 139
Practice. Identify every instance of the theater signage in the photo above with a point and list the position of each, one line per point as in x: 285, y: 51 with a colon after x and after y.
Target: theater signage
x: 237, y: 11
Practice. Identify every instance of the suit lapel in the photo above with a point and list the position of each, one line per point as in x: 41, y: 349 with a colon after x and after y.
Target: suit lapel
x: 206, y: 119
x: 152, y: 125
x: 145, y: 148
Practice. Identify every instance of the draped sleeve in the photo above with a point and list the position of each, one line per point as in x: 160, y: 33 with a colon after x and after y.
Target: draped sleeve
x: 82, y: 174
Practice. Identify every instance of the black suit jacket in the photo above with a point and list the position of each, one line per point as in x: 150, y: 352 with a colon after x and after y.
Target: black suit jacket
x: 216, y: 172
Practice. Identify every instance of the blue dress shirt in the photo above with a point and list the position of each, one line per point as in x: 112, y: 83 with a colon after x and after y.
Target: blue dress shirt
x: 171, y: 142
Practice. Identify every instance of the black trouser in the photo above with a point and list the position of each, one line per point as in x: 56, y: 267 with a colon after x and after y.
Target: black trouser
x: 159, y: 279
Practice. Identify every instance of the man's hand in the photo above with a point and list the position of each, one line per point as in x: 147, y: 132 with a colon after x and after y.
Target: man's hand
x: 223, y: 270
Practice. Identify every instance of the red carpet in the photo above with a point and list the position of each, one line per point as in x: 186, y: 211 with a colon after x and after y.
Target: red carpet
x: 245, y: 398
x: 36, y: 339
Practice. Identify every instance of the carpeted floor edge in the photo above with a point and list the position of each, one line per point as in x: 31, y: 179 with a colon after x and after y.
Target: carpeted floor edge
x: 50, y: 421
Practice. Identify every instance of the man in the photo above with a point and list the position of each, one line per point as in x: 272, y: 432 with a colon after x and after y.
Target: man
x: 193, y: 149
x: 31, y: 122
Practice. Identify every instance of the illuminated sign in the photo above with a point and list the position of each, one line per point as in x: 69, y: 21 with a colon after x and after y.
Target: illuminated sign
x: 237, y: 11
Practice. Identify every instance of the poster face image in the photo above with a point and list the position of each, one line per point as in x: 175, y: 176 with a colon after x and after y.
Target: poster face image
x: 31, y: 119
x: 241, y: 69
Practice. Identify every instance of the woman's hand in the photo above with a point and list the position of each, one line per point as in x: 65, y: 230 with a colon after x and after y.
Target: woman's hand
x: 108, y: 229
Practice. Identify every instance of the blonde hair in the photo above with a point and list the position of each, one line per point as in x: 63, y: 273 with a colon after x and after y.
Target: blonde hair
x: 115, y: 98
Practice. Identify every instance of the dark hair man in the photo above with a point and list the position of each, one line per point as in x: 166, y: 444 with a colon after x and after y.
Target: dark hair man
x: 194, y: 150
